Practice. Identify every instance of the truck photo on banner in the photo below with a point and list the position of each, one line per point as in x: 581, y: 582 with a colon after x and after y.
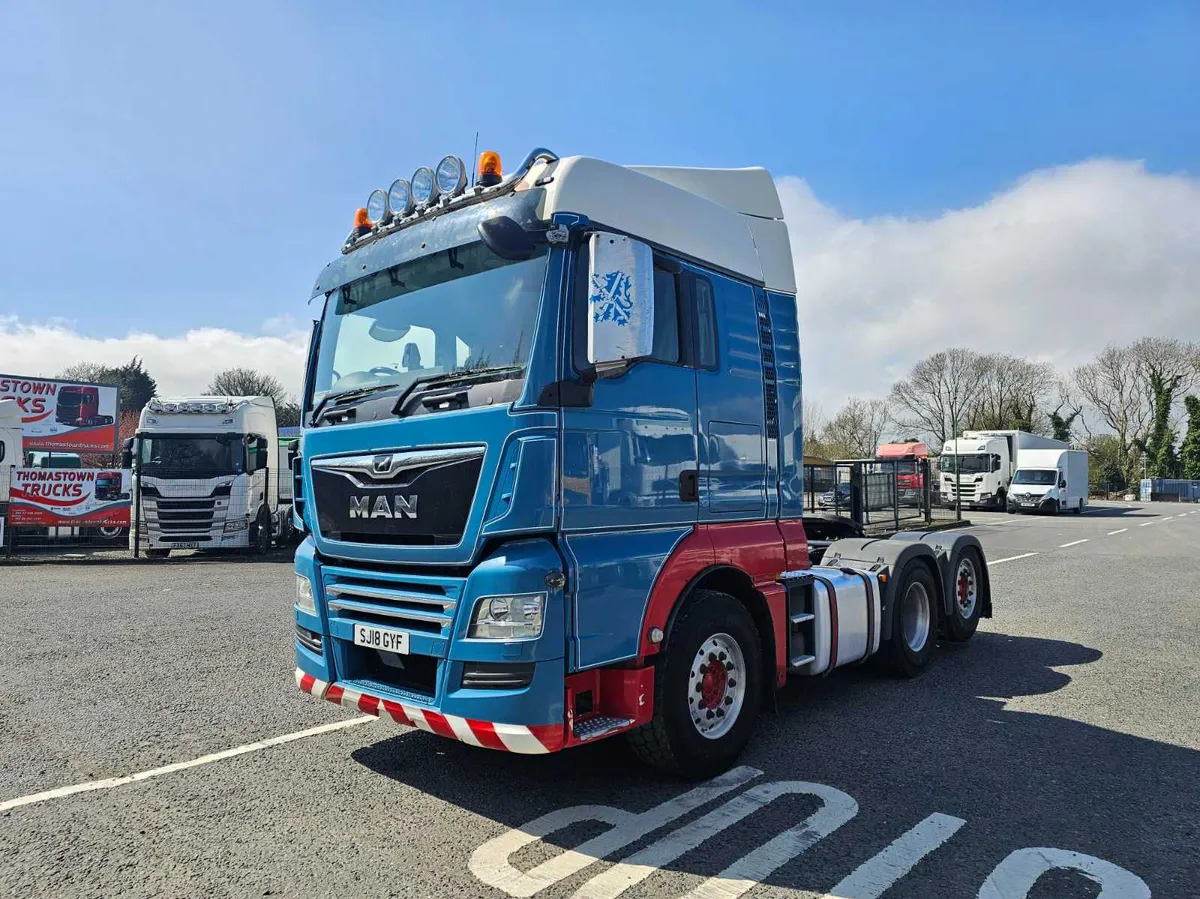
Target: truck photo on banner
x: 48, y: 497
x: 63, y: 415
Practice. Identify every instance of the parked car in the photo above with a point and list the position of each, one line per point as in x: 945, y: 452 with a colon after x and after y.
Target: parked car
x: 838, y: 498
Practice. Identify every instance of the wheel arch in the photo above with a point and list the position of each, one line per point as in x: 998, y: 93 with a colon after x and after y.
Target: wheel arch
x: 738, y: 584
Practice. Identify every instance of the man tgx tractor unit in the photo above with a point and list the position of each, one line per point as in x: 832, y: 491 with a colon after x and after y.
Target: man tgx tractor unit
x: 208, y: 475
x: 551, y: 470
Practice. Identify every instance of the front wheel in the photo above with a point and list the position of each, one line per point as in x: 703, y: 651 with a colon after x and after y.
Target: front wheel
x: 914, y: 623
x: 707, y: 690
x: 260, y: 536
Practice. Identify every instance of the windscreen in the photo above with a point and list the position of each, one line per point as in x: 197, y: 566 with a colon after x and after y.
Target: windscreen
x: 459, y: 309
x: 1036, y: 477
x: 176, y: 455
x: 977, y: 463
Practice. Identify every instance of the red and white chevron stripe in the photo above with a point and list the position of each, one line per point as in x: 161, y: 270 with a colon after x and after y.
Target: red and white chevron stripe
x: 534, y: 739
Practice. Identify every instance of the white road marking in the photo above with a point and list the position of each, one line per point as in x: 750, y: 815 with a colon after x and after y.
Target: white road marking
x: 1122, y: 531
x: 1072, y: 543
x: 1145, y: 524
x: 110, y: 782
x: 1009, y: 559
x: 836, y: 810
x: 490, y: 862
x: 875, y: 876
x: 1015, y: 877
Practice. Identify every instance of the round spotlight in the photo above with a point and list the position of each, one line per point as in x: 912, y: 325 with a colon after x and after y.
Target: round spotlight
x: 424, y: 186
x: 377, y: 206
x: 400, y: 200
x: 451, y: 176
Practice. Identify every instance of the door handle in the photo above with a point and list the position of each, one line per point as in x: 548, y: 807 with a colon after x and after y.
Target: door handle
x: 689, y: 486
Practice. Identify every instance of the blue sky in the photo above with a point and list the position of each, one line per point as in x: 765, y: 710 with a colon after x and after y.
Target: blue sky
x: 165, y: 167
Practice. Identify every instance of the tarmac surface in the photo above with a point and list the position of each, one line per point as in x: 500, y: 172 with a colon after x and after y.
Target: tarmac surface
x: 153, y: 743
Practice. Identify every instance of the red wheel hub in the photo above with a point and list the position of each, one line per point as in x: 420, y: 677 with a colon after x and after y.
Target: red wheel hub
x: 714, y: 685
x: 964, y: 589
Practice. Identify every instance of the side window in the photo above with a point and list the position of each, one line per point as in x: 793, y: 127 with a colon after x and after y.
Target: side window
x: 666, y: 317
x: 706, y: 323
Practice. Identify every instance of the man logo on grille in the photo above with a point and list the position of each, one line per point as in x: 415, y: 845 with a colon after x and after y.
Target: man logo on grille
x: 382, y: 464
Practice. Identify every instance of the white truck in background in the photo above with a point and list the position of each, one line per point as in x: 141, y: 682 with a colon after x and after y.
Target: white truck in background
x: 209, y: 474
x: 10, y: 451
x: 977, y: 468
x: 1049, y: 480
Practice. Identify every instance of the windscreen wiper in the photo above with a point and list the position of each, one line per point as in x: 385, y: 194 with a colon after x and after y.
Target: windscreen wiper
x: 464, y: 376
x: 356, y: 393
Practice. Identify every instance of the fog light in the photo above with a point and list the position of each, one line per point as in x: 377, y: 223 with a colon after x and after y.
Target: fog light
x: 304, y: 595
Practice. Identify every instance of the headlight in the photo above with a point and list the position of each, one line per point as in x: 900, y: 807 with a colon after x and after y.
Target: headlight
x: 232, y: 527
x: 304, y: 595
x: 508, y: 617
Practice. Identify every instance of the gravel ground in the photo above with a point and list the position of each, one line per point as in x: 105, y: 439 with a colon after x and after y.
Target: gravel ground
x: 1069, y: 722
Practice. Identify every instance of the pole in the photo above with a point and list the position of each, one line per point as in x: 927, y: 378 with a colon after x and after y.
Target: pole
x: 137, y: 498
x: 957, y: 470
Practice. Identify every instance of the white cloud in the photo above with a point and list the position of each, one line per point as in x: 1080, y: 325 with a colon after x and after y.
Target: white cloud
x: 181, y: 365
x: 1052, y: 269
x: 1055, y: 267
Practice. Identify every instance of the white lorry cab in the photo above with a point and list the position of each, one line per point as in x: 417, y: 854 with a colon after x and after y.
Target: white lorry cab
x: 208, y: 474
x: 10, y: 447
x: 1049, y: 480
x: 977, y: 468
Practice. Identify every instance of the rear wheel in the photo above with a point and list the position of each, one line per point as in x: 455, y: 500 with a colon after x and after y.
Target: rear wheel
x: 967, y: 601
x: 707, y: 689
x: 914, y: 622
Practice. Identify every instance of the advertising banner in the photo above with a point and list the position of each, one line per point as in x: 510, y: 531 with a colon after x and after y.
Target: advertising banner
x: 82, y: 497
x: 64, y: 416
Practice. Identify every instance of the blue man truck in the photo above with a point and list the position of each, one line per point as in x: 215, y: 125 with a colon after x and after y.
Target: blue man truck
x: 551, y: 470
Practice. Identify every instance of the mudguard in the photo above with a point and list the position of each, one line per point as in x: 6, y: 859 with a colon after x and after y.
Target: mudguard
x: 885, y: 557
x: 948, y: 546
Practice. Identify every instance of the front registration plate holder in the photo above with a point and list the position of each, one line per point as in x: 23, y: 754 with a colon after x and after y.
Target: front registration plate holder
x: 381, y: 638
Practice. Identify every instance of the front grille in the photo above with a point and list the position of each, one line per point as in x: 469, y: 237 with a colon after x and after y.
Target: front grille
x: 424, y: 605
x: 182, y: 514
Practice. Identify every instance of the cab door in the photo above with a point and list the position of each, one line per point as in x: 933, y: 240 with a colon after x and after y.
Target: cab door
x: 625, y: 454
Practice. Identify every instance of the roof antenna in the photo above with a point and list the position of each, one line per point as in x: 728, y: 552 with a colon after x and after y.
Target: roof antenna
x: 474, y: 158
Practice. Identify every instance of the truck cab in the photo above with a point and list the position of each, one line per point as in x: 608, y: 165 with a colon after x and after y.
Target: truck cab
x: 207, y: 475
x: 79, y: 407
x: 975, y: 471
x: 550, y: 471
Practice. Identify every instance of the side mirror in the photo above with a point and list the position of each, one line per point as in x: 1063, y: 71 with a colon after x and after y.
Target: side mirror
x: 1062, y: 483
x: 507, y: 239
x: 620, y: 301
x: 127, y: 453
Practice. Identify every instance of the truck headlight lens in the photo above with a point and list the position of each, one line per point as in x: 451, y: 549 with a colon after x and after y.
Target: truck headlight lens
x: 516, y: 617
x: 232, y: 527
x: 451, y: 176
x: 377, y: 206
x: 304, y: 595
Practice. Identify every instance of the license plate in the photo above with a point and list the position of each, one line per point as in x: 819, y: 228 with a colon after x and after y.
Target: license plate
x: 1028, y: 504
x: 379, y: 638
x: 180, y: 545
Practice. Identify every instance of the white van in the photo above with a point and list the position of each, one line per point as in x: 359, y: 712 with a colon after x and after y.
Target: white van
x: 1049, y: 480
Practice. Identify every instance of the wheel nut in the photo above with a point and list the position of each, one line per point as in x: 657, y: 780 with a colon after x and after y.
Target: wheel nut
x: 728, y: 700
x: 720, y: 713
x: 709, y: 714
x: 732, y: 682
x: 699, y: 688
x: 721, y: 656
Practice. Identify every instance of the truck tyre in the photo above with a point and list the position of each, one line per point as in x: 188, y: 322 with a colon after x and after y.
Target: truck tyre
x: 157, y: 553
x: 707, y: 690
x: 967, y: 602
x: 914, y: 623
x: 260, y: 534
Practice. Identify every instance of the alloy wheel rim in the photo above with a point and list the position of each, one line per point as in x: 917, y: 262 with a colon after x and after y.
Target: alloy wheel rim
x: 716, y: 686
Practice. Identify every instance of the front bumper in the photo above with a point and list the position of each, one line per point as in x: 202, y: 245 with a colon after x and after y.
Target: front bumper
x: 532, y: 739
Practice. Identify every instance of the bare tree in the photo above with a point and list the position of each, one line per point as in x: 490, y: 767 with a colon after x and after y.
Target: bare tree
x: 87, y: 372
x: 939, y: 392
x: 1012, y: 393
x: 857, y: 429
x: 247, y: 382
x: 1120, y: 385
